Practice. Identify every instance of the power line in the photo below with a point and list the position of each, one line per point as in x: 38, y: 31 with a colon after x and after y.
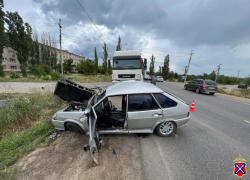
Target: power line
x: 205, y: 58
x: 94, y: 24
x: 199, y: 66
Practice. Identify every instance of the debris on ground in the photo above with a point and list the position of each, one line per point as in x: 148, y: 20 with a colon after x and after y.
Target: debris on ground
x: 55, y: 134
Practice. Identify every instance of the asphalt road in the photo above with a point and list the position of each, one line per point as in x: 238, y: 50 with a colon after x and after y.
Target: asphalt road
x: 218, y: 132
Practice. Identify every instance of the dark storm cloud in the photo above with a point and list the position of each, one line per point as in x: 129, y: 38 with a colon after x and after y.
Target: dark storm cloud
x: 185, y: 23
x: 211, y: 28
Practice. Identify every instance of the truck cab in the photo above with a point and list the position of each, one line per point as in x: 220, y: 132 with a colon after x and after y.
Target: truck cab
x: 127, y: 65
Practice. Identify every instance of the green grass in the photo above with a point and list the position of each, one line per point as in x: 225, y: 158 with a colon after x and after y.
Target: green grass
x: 245, y: 93
x: 25, y: 125
x: 10, y: 173
x: 14, y: 146
x: 76, y: 77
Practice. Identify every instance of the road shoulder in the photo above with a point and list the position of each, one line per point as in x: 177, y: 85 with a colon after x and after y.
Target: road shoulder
x: 236, y: 98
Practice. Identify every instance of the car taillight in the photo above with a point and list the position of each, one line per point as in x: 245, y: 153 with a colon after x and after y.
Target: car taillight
x: 203, y: 86
x: 188, y: 114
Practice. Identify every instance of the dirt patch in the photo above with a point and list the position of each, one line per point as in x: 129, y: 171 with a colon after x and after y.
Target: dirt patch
x: 65, y: 159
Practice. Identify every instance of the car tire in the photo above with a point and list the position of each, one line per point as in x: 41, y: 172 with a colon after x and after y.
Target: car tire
x: 211, y: 93
x: 165, y: 129
x: 197, y: 90
x: 185, y: 87
x: 74, y: 127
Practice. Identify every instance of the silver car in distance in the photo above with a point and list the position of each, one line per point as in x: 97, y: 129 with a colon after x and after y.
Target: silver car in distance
x: 139, y: 108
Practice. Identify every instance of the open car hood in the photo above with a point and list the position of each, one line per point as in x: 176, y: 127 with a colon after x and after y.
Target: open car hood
x: 71, y: 91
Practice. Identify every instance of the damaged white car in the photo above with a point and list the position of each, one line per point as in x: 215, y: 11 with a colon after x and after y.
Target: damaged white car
x: 140, y: 108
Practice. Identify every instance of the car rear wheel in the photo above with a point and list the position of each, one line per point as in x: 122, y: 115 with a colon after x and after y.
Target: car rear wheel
x: 197, y: 91
x: 166, y: 128
x: 211, y: 93
x: 185, y: 87
x: 74, y: 127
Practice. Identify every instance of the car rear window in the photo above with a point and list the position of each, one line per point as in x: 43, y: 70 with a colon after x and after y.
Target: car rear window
x: 141, y: 102
x: 164, y: 101
x: 210, y: 83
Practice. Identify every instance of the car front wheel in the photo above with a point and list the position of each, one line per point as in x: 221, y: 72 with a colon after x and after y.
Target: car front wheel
x: 197, y: 90
x: 74, y: 127
x: 166, y: 128
x: 185, y: 87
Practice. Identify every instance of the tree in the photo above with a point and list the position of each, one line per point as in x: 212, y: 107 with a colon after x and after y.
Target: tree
x: 96, y: 62
x: 248, y: 80
x: 165, y: 68
x: 19, y: 34
x: 105, y: 53
x: 160, y: 72
x: 3, y: 38
x: 86, y: 67
x: 152, y: 65
x: 211, y: 76
x: 68, y: 65
x: 118, y: 47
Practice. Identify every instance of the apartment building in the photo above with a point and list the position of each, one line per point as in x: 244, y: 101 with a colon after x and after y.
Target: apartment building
x: 10, y: 61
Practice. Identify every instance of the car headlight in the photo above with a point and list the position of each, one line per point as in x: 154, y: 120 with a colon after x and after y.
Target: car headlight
x: 54, y: 117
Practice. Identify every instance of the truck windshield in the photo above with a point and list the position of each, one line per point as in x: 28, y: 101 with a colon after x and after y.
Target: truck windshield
x: 127, y: 64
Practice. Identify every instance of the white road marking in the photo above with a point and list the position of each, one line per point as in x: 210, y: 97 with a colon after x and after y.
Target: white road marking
x: 235, y: 100
x: 247, y: 121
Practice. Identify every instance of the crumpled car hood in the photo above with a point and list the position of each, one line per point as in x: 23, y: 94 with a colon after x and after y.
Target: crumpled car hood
x: 71, y: 91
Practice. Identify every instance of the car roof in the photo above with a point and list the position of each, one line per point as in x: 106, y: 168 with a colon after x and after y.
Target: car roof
x: 132, y: 87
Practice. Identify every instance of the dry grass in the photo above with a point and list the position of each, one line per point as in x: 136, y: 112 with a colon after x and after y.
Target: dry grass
x: 76, y: 77
x: 245, y: 93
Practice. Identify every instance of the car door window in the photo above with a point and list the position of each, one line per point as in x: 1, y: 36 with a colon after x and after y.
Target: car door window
x: 141, y: 102
x: 164, y: 101
x: 196, y: 81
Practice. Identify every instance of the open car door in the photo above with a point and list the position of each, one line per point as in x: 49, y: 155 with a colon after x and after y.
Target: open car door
x: 94, y: 137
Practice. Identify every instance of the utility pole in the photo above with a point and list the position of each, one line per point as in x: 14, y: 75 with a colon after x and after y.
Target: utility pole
x: 238, y: 75
x: 60, y: 36
x: 186, y: 71
x: 218, y: 73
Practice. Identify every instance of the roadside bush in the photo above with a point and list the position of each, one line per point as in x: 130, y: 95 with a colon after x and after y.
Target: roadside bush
x: 45, y: 77
x: 14, y: 75
x: 101, y: 69
x: 38, y: 71
x: 86, y: 67
x: 46, y: 68
x: 2, y: 73
x: 54, y: 76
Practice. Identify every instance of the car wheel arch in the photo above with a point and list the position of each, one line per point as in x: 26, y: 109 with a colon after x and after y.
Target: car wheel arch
x: 75, y: 123
x: 165, y: 120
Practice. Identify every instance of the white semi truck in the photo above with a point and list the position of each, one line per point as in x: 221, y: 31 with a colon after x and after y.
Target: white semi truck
x: 128, y: 65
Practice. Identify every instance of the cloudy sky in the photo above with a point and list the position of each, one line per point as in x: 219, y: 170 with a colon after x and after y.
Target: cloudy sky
x: 218, y: 32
